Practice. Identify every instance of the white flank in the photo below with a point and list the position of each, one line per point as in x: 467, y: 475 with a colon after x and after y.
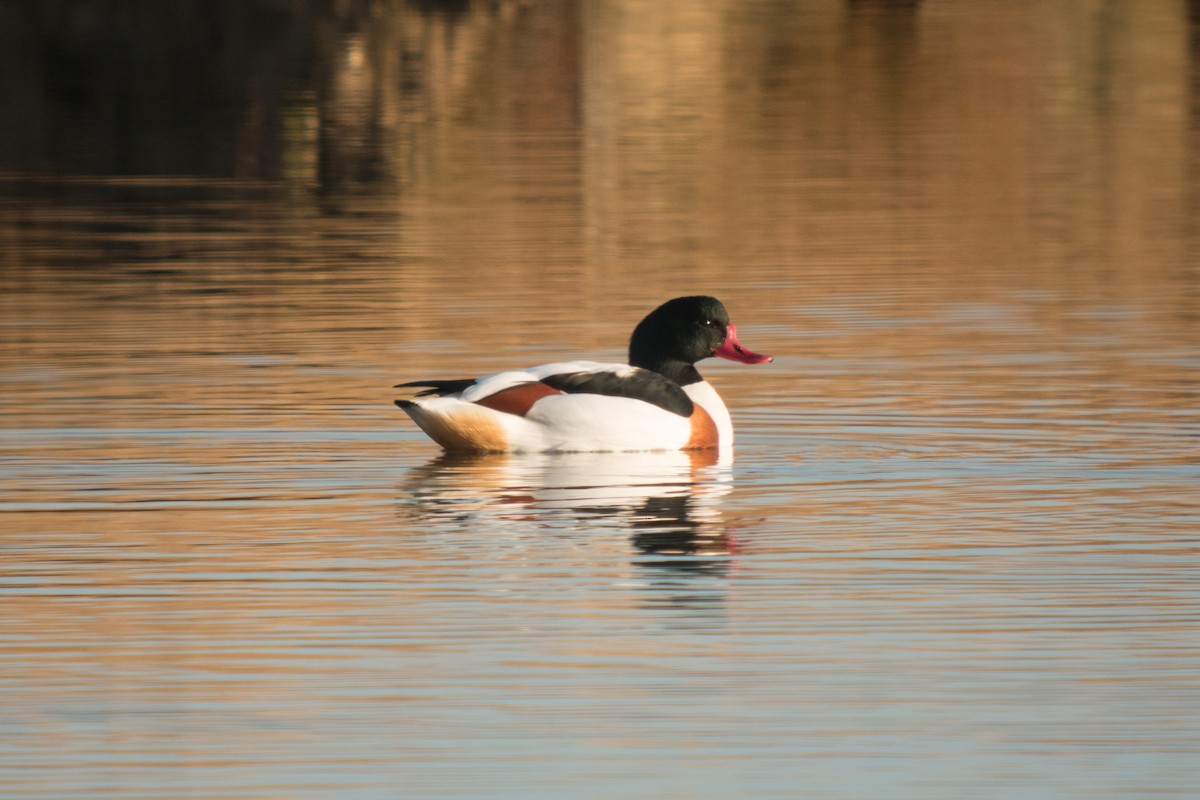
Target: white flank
x: 569, y: 422
x: 598, y: 423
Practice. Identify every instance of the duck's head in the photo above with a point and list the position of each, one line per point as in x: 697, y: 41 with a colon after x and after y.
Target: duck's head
x: 680, y: 332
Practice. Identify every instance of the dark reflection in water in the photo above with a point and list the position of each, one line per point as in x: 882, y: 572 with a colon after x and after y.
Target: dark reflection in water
x: 335, y: 95
x: 668, y: 502
x: 668, y: 506
x: 665, y: 526
x: 154, y: 88
x: 682, y: 555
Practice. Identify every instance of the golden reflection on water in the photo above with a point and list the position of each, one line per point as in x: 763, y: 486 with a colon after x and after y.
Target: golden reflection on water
x: 956, y: 546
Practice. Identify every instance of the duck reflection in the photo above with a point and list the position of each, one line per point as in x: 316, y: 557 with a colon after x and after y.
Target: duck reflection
x: 669, y: 503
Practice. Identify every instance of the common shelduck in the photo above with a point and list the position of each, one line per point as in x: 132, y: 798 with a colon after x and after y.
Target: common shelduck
x: 658, y: 401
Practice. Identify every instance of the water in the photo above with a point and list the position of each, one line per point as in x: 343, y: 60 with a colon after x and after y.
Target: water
x: 954, y: 555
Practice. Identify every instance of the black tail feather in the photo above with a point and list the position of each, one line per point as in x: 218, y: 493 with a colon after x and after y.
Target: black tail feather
x: 439, y: 388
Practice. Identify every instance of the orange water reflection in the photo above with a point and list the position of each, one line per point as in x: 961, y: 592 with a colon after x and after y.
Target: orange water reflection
x: 955, y: 548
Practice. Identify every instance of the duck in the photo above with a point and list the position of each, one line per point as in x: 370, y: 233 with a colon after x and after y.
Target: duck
x: 657, y: 401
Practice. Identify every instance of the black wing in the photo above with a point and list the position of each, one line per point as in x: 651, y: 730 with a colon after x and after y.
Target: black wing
x: 638, y: 384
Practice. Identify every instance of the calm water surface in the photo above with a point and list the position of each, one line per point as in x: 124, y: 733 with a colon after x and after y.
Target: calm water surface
x: 954, y: 555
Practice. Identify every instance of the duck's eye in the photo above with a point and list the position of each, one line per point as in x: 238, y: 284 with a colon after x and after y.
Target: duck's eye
x: 711, y: 323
